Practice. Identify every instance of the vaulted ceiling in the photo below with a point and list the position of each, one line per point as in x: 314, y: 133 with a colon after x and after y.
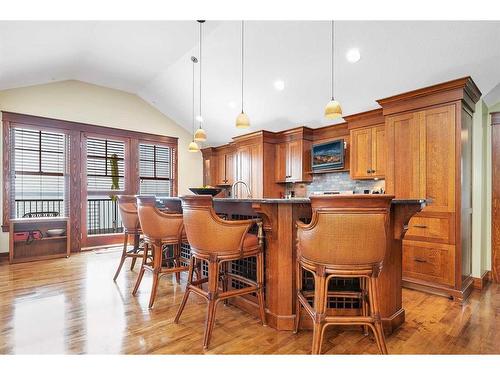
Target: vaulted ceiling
x: 152, y: 60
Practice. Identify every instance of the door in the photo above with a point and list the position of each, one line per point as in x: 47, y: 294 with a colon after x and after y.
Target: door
x: 495, y: 204
x: 438, y: 158
x: 403, y: 135
x: 361, y: 153
x: 281, y: 164
x: 229, y: 168
x: 379, y: 152
x: 244, y: 170
x: 103, y: 177
x: 294, y: 161
x: 221, y: 169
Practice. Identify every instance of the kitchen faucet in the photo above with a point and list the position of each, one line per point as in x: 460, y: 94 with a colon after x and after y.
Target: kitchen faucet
x: 233, y: 192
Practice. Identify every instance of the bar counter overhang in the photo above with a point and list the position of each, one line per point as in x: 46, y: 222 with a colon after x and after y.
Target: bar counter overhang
x: 279, y: 217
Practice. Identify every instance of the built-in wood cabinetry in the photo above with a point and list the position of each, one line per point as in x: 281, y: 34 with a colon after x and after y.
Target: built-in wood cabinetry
x: 244, y: 159
x: 225, y: 167
x: 368, y: 146
x: 293, y: 156
x: 429, y: 145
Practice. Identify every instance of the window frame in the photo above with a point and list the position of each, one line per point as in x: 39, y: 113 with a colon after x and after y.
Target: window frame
x: 173, y: 164
x: 75, y: 167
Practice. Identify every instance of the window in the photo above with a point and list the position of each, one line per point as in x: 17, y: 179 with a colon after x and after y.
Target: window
x: 39, y: 164
x: 105, y: 164
x: 155, y: 170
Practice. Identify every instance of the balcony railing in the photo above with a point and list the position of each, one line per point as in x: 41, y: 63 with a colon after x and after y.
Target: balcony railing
x: 103, y: 216
x: 39, y: 207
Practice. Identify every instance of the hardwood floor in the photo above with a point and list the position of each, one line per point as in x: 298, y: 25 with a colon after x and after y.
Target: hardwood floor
x: 73, y: 306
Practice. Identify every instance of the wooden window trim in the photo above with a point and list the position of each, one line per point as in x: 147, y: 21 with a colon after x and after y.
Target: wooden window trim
x: 76, y: 130
x: 173, y: 165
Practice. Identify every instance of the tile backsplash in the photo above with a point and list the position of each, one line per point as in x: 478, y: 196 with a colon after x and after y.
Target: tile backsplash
x: 340, y: 181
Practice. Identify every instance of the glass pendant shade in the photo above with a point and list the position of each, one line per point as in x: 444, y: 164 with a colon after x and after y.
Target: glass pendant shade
x: 200, y: 135
x: 333, y: 110
x: 242, y: 121
x: 193, y: 147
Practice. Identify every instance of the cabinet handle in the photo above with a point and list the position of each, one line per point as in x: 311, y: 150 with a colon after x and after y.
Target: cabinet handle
x: 420, y: 226
x: 373, y: 170
x: 420, y: 260
x: 368, y: 171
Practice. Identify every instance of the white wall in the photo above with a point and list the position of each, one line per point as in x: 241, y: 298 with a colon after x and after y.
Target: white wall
x: 488, y: 182
x: 479, y: 191
x: 83, y: 102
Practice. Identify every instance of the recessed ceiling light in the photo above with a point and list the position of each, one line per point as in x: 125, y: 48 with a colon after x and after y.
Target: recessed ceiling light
x: 232, y: 104
x: 279, y: 85
x: 199, y: 118
x: 353, y: 55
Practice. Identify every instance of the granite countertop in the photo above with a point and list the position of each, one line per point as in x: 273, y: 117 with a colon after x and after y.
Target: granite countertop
x: 295, y: 200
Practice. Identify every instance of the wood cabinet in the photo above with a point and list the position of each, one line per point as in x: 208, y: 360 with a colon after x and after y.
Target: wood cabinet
x: 30, y: 239
x: 225, y: 168
x: 429, y: 155
x: 368, y: 145
x: 293, y: 161
x: 368, y: 150
x: 249, y: 170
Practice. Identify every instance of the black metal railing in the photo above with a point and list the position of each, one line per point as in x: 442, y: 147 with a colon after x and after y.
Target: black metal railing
x: 39, y: 207
x: 103, y: 216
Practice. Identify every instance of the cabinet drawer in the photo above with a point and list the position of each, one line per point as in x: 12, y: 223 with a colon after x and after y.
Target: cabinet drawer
x: 427, y: 261
x: 434, y: 228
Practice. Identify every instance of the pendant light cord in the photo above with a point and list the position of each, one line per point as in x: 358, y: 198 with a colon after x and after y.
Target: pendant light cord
x: 332, y: 57
x: 201, y: 118
x: 242, y: 60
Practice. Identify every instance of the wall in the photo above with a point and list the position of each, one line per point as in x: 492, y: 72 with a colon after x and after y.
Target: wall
x: 479, y: 240
x: 488, y: 187
x: 83, y: 102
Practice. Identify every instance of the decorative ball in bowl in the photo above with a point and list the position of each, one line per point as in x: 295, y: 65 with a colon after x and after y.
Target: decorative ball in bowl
x: 206, y: 190
x: 55, y: 232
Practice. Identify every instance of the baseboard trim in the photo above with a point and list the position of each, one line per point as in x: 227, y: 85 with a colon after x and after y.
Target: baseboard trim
x: 480, y: 283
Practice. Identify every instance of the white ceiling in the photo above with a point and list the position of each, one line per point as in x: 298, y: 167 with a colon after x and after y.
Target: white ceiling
x: 152, y: 59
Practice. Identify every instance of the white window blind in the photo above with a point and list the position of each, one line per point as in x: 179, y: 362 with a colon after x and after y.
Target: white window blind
x: 105, y: 164
x: 38, y: 168
x: 155, y: 170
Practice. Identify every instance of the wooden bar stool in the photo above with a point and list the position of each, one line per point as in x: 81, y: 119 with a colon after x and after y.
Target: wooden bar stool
x: 127, y: 205
x: 347, y: 238
x: 219, y: 242
x: 160, y: 229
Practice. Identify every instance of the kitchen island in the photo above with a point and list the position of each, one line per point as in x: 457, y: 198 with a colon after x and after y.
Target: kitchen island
x: 279, y: 217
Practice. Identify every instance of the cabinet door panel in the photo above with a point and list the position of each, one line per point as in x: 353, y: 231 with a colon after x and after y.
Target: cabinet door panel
x: 438, y: 153
x: 230, y: 168
x: 361, y: 153
x: 379, y: 152
x: 280, y: 160
x: 294, y: 161
x: 221, y: 169
x: 405, y: 146
x: 256, y: 176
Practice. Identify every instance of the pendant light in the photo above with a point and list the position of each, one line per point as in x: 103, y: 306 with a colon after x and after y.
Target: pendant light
x: 200, y: 135
x: 242, y: 121
x: 193, y: 146
x: 333, y: 109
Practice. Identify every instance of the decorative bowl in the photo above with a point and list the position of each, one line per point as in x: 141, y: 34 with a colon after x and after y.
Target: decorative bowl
x: 55, y: 232
x: 206, y: 191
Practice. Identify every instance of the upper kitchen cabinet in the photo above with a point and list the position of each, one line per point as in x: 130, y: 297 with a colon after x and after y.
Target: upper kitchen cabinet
x: 293, y: 156
x: 244, y: 160
x: 218, y: 166
x: 429, y: 155
x: 225, y: 166
x: 368, y: 146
